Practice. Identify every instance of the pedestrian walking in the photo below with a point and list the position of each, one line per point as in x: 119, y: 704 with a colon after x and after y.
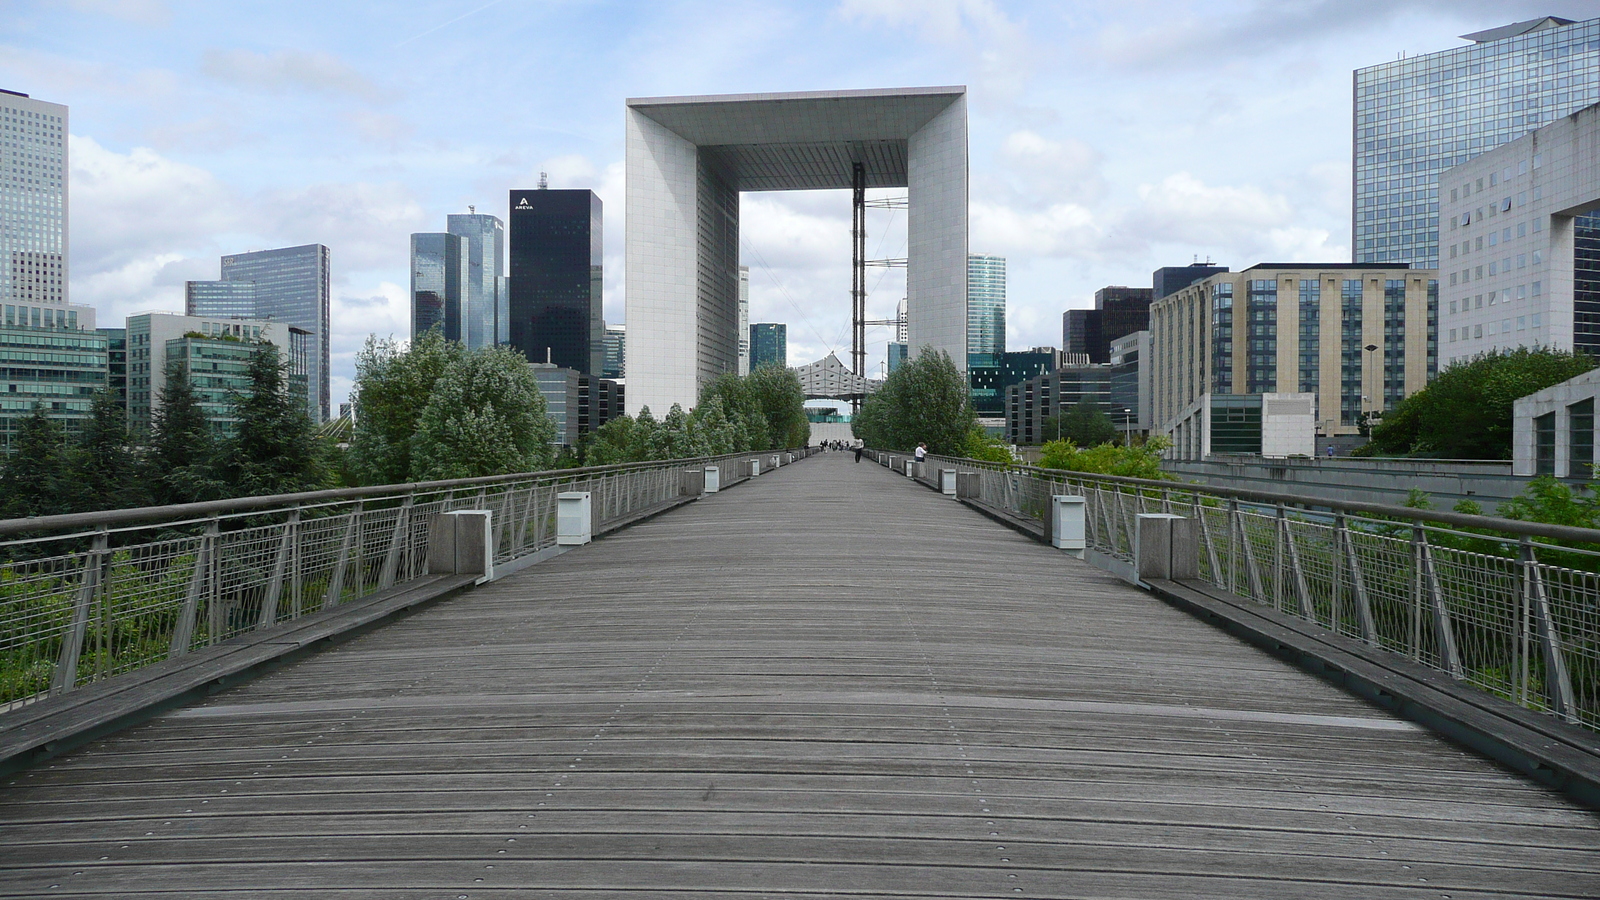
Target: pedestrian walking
x: 859, y: 448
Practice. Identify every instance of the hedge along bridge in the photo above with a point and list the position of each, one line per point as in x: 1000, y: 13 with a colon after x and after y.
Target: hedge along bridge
x: 826, y: 681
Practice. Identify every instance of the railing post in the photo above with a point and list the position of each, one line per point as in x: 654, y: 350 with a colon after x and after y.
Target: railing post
x: 269, y: 600
x: 1358, y: 585
x: 1445, y: 632
x: 397, y: 543
x: 183, y: 632
x: 352, y: 539
x: 1557, y: 680
x: 65, y: 677
x: 1301, y: 587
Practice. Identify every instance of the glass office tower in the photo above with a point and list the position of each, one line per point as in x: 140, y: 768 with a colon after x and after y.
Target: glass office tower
x: 769, y: 344
x: 986, y: 309
x: 291, y: 285
x: 439, y: 285
x: 556, y: 269
x: 1416, y: 117
x: 486, y: 266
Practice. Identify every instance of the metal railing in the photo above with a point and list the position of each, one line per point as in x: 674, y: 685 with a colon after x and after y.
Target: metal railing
x: 1510, y: 607
x: 87, y: 596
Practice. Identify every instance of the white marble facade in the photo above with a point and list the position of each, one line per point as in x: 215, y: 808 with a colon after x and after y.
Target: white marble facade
x: 686, y: 154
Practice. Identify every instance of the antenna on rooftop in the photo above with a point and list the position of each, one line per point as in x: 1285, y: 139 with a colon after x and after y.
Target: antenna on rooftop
x: 544, y: 181
x: 473, y: 210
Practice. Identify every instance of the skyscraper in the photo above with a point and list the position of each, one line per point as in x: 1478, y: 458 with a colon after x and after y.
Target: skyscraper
x: 439, y: 285
x: 986, y: 309
x: 486, y: 301
x: 616, y: 364
x: 744, y: 320
x: 556, y: 274
x: 769, y: 344
x: 33, y: 200
x: 1418, y: 116
x: 291, y: 285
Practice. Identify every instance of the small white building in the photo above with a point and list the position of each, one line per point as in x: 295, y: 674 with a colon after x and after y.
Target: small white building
x: 1553, y: 429
x: 1270, y: 425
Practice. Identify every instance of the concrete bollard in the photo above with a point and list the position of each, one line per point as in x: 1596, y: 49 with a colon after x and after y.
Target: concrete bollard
x: 789, y: 459
x: 892, y: 461
x: 1067, y: 524
x: 774, y: 461
x: 694, y: 482
x: 969, y: 485
x: 947, y: 482
x: 1165, y: 546
x: 460, y: 542
x: 911, y: 468
x: 574, y: 519
x: 713, y: 479
x: 755, y: 467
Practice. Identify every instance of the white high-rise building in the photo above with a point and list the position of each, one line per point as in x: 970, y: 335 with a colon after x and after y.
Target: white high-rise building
x: 744, y: 320
x: 33, y: 201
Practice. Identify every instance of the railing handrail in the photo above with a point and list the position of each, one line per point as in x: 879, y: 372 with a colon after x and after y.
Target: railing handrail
x: 1436, y: 516
x: 82, y: 521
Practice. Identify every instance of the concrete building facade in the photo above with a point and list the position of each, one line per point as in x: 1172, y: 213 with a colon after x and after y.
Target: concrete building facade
x: 1520, y: 246
x: 688, y: 159
x: 1552, y: 431
x: 1291, y: 328
x: 51, y: 355
x: 33, y: 200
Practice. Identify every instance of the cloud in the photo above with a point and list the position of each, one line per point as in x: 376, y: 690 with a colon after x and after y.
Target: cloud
x: 1053, y: 171
x: 1059, y: 230
x: 380, y: 128
x: 140, y: 12
x: 996, y: 46
x: 138, y: 205
x: 367, y: 226
x: 290, y: 71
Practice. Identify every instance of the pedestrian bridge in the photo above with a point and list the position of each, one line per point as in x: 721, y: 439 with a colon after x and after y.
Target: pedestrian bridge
x: 828, y: 680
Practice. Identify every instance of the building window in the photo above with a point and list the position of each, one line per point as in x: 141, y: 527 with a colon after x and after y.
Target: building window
x: 1544, y: 444
x: 1580, y: 439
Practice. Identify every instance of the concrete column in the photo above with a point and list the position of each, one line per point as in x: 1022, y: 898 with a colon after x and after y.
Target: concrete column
x: 1066, y: 525
x: 574, y: 522
x: 460, y: 542
x: 947, y: 482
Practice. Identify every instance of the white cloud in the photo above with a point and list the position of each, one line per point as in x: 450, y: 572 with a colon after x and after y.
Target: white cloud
x: 1060, y: 230
x: 286, y: 71
x: 367, y: 226
x: 1183, y: 209
x: 135, y: 205
x: 1051, y: 171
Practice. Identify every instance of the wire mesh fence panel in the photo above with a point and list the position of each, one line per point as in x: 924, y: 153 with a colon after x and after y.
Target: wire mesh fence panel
x: 1574, y: 599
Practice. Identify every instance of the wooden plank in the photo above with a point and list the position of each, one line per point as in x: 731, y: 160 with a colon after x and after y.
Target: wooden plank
x: 830, y: 681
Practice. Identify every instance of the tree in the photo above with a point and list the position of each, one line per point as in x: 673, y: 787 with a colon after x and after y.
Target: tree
x: 36, y: 480
x: 1142, y: 461
x: 1465, y: 413
x: 1085, y: 425
x: 777, y: 393
x: 393, y: 387
x: 105, y: 470
x: 274, y: 449
x: 925, y: 399
x: 178, y: 465
x: 485, y: 416
x: 984, y: 446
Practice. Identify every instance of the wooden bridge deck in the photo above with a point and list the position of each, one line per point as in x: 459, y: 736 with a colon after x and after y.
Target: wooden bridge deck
x: 827, y: 681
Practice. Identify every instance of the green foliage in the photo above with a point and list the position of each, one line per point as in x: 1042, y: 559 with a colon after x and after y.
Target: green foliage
x: 105, y: 469
x: 777, y: 394
x: 484, y: 416
x: 1084, y: 424
x: 1466, y: 412
x: 182, y: 448
x: 1142, y: 461
x: 925, y: 399
x: 37, y: 479
x: 984, y: 446
x: 393, y: 387
x: 274, y: 450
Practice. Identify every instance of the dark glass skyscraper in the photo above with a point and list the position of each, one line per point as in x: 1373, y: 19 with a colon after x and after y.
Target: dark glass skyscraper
x: 291, y: 285
x: 769, y: 344
x: 439, y: 285
x: 556, y: 251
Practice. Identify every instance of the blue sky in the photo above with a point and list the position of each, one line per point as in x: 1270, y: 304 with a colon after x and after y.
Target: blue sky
x: 1107, y: 139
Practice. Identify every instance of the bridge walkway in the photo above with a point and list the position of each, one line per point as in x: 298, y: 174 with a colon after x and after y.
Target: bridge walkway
x: 828, y: 681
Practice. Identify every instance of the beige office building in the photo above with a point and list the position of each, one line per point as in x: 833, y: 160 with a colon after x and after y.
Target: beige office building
x: 1297, y: 329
